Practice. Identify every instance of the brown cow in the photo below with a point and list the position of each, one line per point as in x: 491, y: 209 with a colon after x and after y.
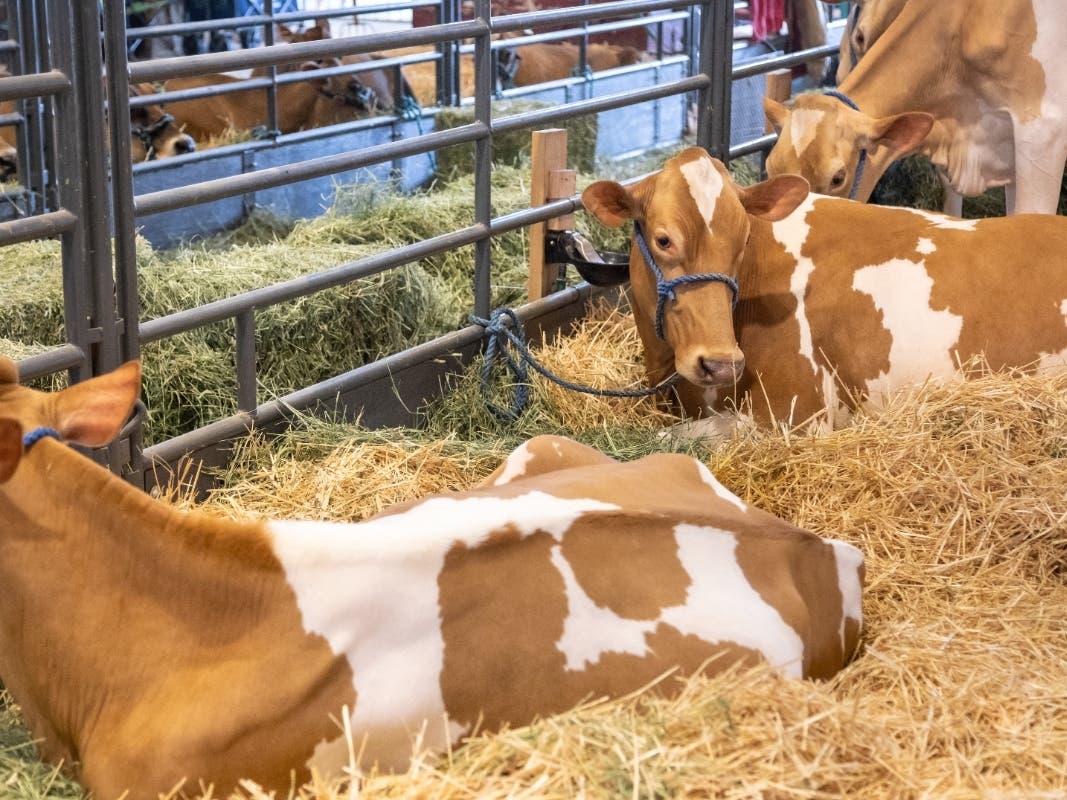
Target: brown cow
x: 151, y: 646
x: 803, y: 306
x: 153, y: 132
x: 537, y: 63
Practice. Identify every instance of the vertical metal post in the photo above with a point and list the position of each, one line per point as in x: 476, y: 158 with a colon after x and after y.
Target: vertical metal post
x: 483, y: 158
x: 272, y: 71
x: 246, y: 360
x: 449, y: 67
x: 716, y: 61
x: 33, y: 175
x: 116, y: 56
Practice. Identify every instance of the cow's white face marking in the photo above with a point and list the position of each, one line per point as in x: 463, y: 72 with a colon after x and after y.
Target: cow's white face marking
x: 710, y: 479
x: 849, y: 560
x: 922, y: 338
x: 705, y: 185
x: 926, y: 247
x: 803, y: 127
x: 720, y: 606
x: 515, y: 465
x: 370, y: 589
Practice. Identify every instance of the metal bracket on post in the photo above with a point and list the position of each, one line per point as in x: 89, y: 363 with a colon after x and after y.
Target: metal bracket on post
x: 550, y: 180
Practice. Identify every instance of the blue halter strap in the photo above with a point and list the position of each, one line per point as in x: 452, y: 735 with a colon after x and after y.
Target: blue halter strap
x: 665, y: 288
x: 34, y: 436
x: 862, y: 163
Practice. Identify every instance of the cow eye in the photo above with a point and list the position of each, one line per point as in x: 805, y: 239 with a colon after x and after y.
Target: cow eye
x: 838, y: 180
x: 663, y: 242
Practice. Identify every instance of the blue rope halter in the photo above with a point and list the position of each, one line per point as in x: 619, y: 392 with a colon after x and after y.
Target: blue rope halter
x: 665, y: 288
x: 862, y: 163
x: 34, y: 436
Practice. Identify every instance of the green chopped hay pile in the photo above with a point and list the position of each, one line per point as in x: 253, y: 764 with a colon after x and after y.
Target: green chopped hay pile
x: 190, y: 380
x: 513, y: 148
x: 913, y: 182
x: 955, y: 493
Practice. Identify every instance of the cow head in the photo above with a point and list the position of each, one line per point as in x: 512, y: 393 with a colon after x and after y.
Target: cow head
x: 867, y: 21
x: 317, y: 32
x: 828, y: 143
x: 9, y: 162
x: 153, y: 132
x: 89, y: 413
x: 695, y: 222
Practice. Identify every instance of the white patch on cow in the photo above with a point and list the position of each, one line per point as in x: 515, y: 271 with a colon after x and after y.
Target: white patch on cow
x: 370, y: 589
x: 709, y: 478
x: 515, y: 465
x: 922, y: 338
x: 803, y: 127
x: 926, y: 247
x: 791, y: 233
x: 720, y: 607
x: 1053, y: 362
x: 590, y: 631
x: 705, y: 185
x: 849, y: 560
x: 948, y: 223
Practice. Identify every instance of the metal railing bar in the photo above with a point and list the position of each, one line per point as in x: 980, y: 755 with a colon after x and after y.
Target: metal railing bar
x: 40, y: 226
x: 36, y: 85
x: 236, y: 425
x: 301, y: 76
x: 230, y: 307
x: 765, y: 65
x: 207, y: 63
x: 254, y: 20
x: 753, y: 146
x: 37, y: 366
x: 232, y: 186
x: 14, y: 118
x: 532, y: 19
x: 8, y: 46
x: 571, y: 33
x: 596, y: 104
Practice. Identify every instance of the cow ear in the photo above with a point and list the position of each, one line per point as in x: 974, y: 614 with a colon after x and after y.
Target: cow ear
x: 10, y: 447
x: 609, y: 202
x: 774, y: 199
x: 323, y: 24
x: 776, y: 113
x: 92, y: 412
x: 900, y: 133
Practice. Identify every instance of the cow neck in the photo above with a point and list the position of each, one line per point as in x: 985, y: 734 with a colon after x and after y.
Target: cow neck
x: 95, y: 572
x: 765, y: 268
x: 913, y: 41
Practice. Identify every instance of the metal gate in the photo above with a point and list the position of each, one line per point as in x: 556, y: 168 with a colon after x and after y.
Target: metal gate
x: 78, y: 186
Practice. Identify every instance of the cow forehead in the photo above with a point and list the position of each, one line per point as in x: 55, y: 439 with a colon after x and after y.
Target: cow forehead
x: 705, y: 186
x: 803, y: 127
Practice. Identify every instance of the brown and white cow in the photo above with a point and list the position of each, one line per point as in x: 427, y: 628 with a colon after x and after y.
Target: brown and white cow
x: 552, y: 61
x: 988, y: 71
x: 835, y: 300
x: 867, y: 20
x: 151, y: 645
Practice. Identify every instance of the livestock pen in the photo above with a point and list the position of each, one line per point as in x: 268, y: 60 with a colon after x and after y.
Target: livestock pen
x: 955, y: 493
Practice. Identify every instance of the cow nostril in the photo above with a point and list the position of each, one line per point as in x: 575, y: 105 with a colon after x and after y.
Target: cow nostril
x: 185, y: 145
x: 721, y: 372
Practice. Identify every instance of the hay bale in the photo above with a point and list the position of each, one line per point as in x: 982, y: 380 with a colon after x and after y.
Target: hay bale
x: 513, y: 148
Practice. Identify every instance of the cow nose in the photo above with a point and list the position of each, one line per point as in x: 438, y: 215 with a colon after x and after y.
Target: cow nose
x: 718, y: 372
x: 185, y: 144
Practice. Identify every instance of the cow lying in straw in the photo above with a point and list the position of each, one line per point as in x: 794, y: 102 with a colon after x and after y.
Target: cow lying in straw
x: 795, y: 303
x: 153, y: 646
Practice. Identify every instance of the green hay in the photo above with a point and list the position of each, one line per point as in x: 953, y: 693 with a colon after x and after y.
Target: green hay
x: 513, y: 148
x: 913, y: 182
x: 23, y: 776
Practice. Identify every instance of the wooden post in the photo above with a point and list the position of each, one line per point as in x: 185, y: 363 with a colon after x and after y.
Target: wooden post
x: 550, y: 180
x: 779, y: 86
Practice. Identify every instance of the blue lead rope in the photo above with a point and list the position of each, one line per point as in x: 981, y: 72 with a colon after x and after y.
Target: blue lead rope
x: 862, y: 163
x: 34, y: 436
x: 665, y: 288
x: 503, y: 328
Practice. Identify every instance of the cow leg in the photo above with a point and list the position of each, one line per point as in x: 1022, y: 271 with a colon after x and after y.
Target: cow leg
x: 1040, y: 153
x: 952, y: 203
